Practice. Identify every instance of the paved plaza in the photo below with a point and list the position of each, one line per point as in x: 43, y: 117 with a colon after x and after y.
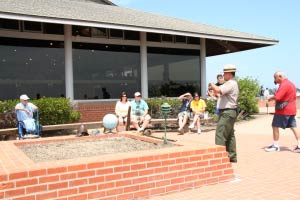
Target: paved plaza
x: 259, y: 174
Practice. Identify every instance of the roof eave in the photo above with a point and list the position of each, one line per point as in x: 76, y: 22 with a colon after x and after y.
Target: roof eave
x: 132, y: 28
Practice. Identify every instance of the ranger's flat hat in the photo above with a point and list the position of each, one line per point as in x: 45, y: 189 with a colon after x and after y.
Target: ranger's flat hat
x: 229, y: 68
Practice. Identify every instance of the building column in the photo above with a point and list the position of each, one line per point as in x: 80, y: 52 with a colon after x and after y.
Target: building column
x: 144, y: 65
x: 203, y: 66
x: 69, y: 62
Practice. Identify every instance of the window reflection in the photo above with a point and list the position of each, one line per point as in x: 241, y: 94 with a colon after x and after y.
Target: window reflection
x: 113, y: 67
x: 172, y: 72
x: 34, y: 68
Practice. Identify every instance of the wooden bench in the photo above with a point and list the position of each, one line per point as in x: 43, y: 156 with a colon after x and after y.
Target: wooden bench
x: 88, y: 125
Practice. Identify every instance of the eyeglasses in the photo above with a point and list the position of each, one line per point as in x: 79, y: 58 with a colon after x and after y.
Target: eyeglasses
x: 124, y: 96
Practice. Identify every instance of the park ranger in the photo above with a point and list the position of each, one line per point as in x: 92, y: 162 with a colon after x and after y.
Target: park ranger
x: 227, y: 104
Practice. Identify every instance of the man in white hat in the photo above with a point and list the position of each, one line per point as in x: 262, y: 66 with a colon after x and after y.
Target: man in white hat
x: 139, y: 112
x: 227, y: 105
x: 24, y: 111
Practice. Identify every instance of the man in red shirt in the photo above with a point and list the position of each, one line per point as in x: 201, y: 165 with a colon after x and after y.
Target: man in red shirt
x: 285, y: 111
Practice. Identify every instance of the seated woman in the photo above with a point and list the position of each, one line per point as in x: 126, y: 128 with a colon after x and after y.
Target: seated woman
x: 121, y: 110
x: 198, y: 108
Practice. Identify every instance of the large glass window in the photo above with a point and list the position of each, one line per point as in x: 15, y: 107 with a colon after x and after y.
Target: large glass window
x: 9, y: 24
x: 104, y: 71
x: 33, y: 67
x: 172, y: 72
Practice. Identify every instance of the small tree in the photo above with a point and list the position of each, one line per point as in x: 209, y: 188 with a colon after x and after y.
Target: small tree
x: 248, y: 89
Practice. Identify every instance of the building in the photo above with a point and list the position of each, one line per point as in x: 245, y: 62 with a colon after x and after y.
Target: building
x: 94, y: 49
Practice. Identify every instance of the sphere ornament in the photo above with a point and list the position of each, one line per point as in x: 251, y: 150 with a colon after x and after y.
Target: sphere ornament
x: 110, y: 121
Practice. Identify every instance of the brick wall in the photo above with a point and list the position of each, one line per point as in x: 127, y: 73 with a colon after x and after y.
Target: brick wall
x: 95, y: 111
x: 131, y: 177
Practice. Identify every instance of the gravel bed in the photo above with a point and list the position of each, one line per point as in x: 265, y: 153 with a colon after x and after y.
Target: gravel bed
x: 86, y: 148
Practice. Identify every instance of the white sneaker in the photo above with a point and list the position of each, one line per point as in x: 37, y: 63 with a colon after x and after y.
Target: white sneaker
x: 192, y: 126
x: 140, y: 129
x: 272, y: 148
x: 199, y: 131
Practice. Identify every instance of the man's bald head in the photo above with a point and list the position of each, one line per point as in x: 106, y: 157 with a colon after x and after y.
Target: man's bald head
x: 279, y: 77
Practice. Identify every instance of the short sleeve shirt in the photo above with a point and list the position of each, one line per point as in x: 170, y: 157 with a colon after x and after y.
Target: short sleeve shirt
x: 185, y: 105
x: 286, y: 92
x: 22, y: 115
x: 198, y: 105
x: 138, y: 107
x: 229, y: 95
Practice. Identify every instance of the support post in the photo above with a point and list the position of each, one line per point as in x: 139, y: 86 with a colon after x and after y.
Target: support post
x: 68, y: 62
x: 203, y: 66
x: 144, y: 65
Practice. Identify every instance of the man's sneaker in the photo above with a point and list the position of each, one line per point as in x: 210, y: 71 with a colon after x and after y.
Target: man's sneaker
x: 140, y: 129
x: 297, y: 149
x: 272, y: 148
x: 199, y: 131
x: 192, y: 126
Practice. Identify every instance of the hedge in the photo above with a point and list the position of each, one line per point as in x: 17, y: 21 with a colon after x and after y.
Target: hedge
x: 51, y: 111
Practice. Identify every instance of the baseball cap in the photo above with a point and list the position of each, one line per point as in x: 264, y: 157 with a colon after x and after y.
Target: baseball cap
x: 24, y: 97
x: 137, y: 94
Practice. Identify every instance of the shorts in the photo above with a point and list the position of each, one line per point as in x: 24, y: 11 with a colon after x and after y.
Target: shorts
x: 184, y: 113
x: 284, y: 121
x: 135, y: 118
x: 122, y: 119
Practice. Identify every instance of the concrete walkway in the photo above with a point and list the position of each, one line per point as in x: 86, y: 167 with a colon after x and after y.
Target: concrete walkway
x: 259, y: 174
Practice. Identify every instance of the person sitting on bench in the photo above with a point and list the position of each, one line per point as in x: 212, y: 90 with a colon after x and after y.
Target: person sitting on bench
x: 198, y: 107
x: 121, y: 110
x: 139, y: 112
x: 24, y: 111
x: 184, y: 114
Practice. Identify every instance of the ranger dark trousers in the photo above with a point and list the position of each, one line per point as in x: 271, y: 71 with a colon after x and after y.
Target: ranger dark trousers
x: 225, y: 132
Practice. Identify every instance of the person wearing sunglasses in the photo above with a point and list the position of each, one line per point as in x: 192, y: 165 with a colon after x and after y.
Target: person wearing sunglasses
x: 121, y: 111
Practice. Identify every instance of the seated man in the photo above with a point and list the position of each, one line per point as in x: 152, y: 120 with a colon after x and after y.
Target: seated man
x: 198, y: 107
x: 139, y: 112
x: 24, y: 111
x: 184, y: 114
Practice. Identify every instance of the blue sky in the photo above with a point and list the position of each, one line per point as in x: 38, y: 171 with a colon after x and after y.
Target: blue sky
x: 273, y: 19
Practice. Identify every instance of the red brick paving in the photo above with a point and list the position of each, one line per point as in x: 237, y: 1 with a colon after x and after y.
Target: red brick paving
x: 259, y: 175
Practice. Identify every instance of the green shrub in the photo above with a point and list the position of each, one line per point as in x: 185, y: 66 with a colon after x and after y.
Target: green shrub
x: 247, y: 95
x: 210, y: 106
x: 155, y: 103
x: 51, y: 111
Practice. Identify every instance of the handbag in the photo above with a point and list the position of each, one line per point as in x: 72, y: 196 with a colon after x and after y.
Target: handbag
x: 281, y: 105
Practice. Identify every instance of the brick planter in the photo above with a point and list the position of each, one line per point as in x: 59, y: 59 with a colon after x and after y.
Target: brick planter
x: 118, y: 176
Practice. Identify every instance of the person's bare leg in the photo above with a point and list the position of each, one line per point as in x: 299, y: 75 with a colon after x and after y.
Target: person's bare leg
x: 135, y: 125
x: 275, y: 133
x: 180, y: 122
x: 196, y: 117
x: 296, y: 133
x: 185, y: 119
x: 198, y: 123
x: 145, y: 123
x: 119, y: 127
